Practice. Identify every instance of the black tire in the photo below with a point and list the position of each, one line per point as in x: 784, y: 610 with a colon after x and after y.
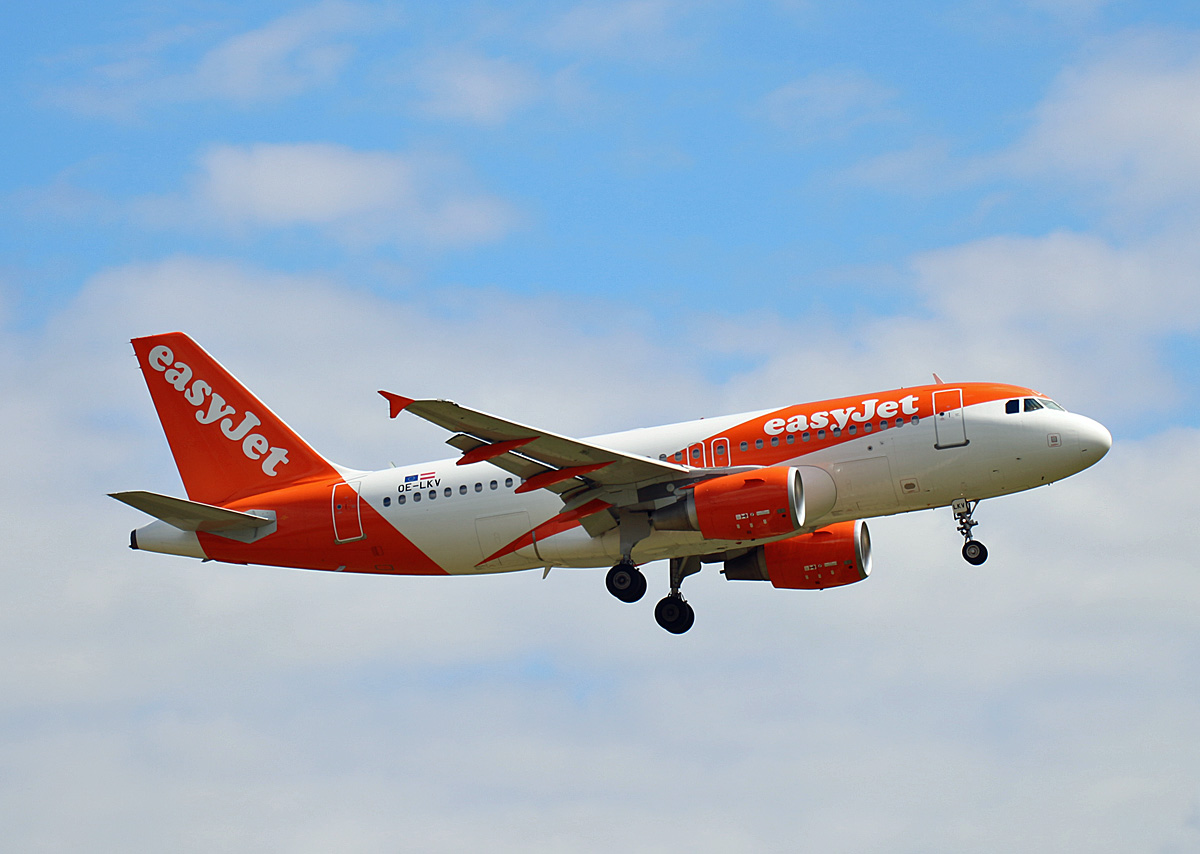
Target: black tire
x: 674, y: 614
x: 626, y: 582
x: 639, y: 587
x: 691, y: 618
x: 974, y: 552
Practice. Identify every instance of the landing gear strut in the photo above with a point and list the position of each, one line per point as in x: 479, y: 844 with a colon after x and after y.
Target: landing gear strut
x: 626, y: 582
x: 673, y: 612
x: 973, y: 551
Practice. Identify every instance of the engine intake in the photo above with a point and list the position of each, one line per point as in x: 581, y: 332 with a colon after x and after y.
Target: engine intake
x: 766, y: 502
x: 829, y: 557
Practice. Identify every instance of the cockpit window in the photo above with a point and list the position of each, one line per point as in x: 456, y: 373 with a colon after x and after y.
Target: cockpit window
x: 1032, y: 405
x: 1012, y: 407
x: 1050, y: 404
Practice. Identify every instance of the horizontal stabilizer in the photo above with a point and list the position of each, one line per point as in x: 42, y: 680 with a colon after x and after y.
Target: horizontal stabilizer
x: 191, y: 515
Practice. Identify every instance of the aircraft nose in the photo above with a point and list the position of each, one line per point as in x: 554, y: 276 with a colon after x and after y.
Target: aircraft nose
x: 1094, y: 440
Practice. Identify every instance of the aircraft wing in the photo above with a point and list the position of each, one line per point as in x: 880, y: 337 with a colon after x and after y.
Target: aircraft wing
x: 543, y: 459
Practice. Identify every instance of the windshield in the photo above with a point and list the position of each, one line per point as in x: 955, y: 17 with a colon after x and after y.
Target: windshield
x: 1033, y: 404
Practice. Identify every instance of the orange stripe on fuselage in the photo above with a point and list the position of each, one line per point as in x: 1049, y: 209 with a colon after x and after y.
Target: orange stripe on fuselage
x: 841, y: 414
x: 304, y: 538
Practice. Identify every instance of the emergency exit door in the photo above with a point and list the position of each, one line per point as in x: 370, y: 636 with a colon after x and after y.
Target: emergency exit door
x: 950, y: 428
x: 347, y: 521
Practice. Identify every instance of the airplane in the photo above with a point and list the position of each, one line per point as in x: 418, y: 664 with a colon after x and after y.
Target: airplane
x: 779, y: 495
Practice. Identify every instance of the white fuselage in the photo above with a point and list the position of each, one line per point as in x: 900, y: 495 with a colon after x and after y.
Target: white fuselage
x: 459, y: 515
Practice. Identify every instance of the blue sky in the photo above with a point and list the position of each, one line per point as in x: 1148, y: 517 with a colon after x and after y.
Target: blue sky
x: 680, y: 160
x: 596, y: 216
x: 674, y: 149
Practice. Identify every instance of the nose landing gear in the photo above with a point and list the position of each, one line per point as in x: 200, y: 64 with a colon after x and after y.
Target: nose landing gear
x: 973, y: 551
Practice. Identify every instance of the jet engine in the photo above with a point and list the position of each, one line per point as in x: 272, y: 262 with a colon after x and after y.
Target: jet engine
x: 751, y: 505
x: 828, y: 557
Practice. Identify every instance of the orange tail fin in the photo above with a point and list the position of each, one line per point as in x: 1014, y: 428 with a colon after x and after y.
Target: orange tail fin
x: 227, y: 443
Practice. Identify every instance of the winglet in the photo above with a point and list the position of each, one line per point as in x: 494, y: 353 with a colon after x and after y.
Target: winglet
x: 396, y: 403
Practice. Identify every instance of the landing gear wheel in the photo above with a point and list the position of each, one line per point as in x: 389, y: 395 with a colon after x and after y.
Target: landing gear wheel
x: 974, y: 552
x: 674, y: 614
x: 626, y: 582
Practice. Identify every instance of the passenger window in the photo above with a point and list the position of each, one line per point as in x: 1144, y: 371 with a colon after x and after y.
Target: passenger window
x: 479, y: 487
x: 508, y: 483
x: 916, y: 419
x: 416, y: 496
x: 493, y: 485
x: 678, y: 456
x: 462, y: 490
x: 387, y: 501
x: 745, y: 446
x: 900, y: 421
x: 774, y: 441
x: 447, y: 492
x: 721, y: 449
x: 867, y: 427
x: 758, y: 443
x: 883, y: 425
x: 432, y: 494
x: 791, y: 439
x: 695, y: 453
x: 1012, y: 407
x: 662, y: 457
x: 837, y: 431
x: 820, y: 434
x: 805, y: 436
x: 401, y: 499
x: 852, y: 430
x: 1032, y: 405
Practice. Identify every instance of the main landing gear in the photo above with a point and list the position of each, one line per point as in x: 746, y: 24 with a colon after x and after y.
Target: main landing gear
x: 973, y: 551
x: 626, y: 582
x: 673, y: 613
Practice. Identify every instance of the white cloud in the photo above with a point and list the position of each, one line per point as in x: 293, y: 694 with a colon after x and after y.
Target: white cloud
x: 1067, y: 282
x: 1119, y: 130
x: 926, y: 168
x: 357, y: 197
x: 477, y: 89
x: 642, y: 29
x: 165, y: 703
x: 287, y: 56
x: 829, y: 105
x: 1124, y: 123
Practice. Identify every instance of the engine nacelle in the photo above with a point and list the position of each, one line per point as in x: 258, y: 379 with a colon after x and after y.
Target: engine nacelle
x: 829, y: 557
x: 766, y: 502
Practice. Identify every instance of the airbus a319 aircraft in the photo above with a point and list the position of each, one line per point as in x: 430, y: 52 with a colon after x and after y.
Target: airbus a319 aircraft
x: 778, y: 495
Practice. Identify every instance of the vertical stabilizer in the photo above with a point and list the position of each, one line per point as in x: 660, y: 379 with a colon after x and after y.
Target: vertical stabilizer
x: 226, y: 442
